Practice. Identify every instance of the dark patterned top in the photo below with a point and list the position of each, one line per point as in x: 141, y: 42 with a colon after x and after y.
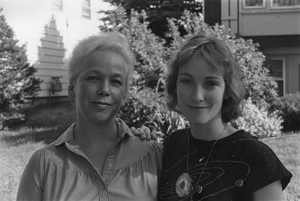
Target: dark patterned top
x: 238, y: 166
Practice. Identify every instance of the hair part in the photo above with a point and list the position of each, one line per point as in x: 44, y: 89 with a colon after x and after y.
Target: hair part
x: 111, y: 41
x: 217, y: 54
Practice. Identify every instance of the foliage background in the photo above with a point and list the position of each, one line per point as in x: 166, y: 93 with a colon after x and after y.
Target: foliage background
x: 146, y: 105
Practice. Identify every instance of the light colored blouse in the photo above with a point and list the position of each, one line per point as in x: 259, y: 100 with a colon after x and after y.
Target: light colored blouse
x: 61, y: 171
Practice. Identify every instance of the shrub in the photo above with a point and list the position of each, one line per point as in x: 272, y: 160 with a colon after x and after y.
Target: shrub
x: 147, y: 108
x: 148, y: 48
x: 258, y: 121
x: 146, y: 105
x: 137, y: 110
x: 289, y: 107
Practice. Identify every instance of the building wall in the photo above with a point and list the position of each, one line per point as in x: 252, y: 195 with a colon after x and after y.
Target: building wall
x: 269, y: 25
x: 51, y: 34
x: 262, y: 23
x: 292, y: 66
x: 230, y: 14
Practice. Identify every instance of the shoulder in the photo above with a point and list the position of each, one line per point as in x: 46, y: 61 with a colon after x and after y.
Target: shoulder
x: 244, y: 140
x: 251, y: 142
x: 42, y: 155
x: 129, y: 141
x: 248, y: 146
x: 142, y: 147
x: 132, y: 150
x: 177, y: 136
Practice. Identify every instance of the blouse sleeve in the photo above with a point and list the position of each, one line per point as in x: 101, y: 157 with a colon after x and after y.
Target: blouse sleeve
x: 267, y: 168
x: 30, y: 187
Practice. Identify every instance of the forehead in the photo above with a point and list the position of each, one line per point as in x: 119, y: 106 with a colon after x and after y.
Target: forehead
x: 199, y: 66
x: 104, y: 60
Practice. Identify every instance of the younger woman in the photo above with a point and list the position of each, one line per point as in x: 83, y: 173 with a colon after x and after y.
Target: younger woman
x: 211, y: 160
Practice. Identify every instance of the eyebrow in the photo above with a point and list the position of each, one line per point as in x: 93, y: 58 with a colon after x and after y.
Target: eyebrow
x: 185, y: 74
x: 213, y: 78
x: 100, y: 73
x: 207, y: 78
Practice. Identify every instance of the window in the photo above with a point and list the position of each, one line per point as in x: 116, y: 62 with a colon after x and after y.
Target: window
x: 86, y: 9
x: 58, y: 5
x: 276, y: 67
x: 254, y: 4
x: 285, y: 3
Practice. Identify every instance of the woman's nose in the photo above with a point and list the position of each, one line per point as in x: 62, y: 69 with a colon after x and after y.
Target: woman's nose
x: 198, y: 94
x: 103, y: 89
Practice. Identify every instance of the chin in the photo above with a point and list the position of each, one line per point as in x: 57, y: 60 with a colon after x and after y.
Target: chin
x: 196, y: 119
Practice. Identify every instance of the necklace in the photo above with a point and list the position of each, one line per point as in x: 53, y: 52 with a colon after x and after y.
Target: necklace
x: 184, y: 185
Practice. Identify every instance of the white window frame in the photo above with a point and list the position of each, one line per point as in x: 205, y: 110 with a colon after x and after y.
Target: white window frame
x: 283, y: 72
x: 86, y: 9
x: 254, y: 7
x: 284, y: 7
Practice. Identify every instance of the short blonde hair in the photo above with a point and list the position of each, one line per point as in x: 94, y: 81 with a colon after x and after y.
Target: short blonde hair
x: 110, y: 41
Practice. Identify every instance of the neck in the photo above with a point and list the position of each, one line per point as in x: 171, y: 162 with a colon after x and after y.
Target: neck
x: 95, y: 134
x: 209, y: 132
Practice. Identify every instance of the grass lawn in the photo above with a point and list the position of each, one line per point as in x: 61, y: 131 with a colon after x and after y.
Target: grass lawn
x: 46, y: 123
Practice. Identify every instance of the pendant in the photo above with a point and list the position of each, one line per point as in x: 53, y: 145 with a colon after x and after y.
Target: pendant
x: 184, y: 185
x: 198, y: 189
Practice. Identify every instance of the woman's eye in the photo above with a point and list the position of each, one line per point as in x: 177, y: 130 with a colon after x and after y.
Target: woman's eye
x: 92, y: 78
x: 185, y: 81
x: 212, y: 84
x: 117, y: 82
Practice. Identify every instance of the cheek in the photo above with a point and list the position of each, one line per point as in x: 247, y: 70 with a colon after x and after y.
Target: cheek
x: 180, y: 93
x: 216, y: 97
x: 84, y: 90
x: 118, y: 93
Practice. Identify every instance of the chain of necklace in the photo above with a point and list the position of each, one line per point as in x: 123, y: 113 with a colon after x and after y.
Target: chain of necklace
x: 199, y: 188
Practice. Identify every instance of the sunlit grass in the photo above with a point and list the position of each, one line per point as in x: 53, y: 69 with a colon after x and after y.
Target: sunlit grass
x: 288, y: 150
x: 12, y: 162
x: 45, y: 123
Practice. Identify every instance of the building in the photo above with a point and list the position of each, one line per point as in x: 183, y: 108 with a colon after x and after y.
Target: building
x: 51, y: 28
x: 274, y: 24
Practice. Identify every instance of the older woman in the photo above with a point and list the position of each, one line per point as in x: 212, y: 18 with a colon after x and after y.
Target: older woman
x: 96, y: 158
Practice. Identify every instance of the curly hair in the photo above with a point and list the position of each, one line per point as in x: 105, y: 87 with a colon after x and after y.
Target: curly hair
x: 217, y: 54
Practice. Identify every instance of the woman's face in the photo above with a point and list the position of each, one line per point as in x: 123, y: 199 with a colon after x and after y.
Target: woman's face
x: 100, y: 87
x: 200, y: 89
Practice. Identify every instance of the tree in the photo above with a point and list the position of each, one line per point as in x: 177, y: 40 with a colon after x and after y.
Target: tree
x: 17, y: 82
x: 159, y: 10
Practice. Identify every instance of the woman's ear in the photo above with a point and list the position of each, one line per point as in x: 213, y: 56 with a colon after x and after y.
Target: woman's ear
x: 71, y: 90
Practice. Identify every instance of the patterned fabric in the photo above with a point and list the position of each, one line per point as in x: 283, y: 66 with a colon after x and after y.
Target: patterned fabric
x: 238, y: 166
x: 61, y: 171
